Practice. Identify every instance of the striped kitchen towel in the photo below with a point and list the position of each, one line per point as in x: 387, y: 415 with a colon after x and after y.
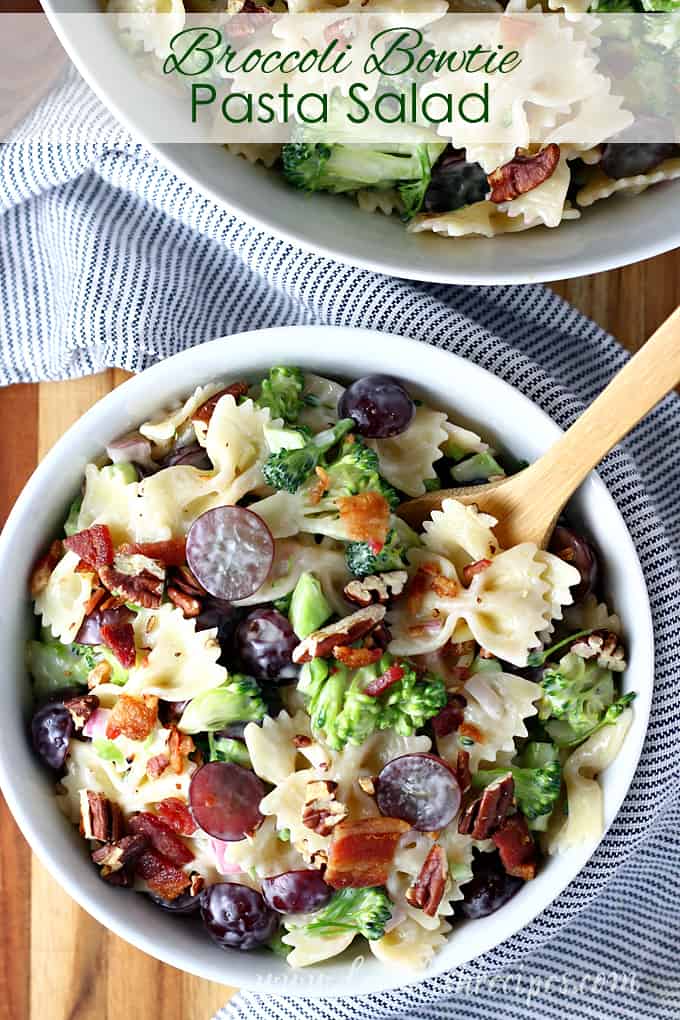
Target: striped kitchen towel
x: 106, y: 259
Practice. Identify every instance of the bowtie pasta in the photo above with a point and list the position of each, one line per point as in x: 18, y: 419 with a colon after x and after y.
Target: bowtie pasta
x: 457, y: 179
x: 267, y: 700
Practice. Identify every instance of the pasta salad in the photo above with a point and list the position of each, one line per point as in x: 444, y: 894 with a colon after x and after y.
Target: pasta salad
x: 267, y: 701
x: 452, y: 180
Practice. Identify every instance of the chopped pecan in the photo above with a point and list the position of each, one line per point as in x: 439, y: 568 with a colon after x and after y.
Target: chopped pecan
x: 486, y: 814
x: 133, y: 717
x: 156, y: 766
x: 366, y: 516
x: 522, y: 174
x: 137, y: 579
x: 603, y: 645
x: 189, y: 604
x: 182, y: 578
x: 428, y: 889
x: 392, y: 675
x: 345, y: 632
x: 450, y: 717
x: 376, y: 587
x: 470, y: 569
x: 171, y: 552
x: 44, y: 567
x: 114, y: 856
x: 81, y: 708
x: 98, y: 595
x: 180, y: 746
x: 205, y: 411
x: 355, y: 658
x: 445, y: 587
x: 462, y: 770
x: 94, y: 545
x: 516, y: 847
x: 322, y: 812
x: 361, y: 852
x: 101, y: 674
x: 100, y: 818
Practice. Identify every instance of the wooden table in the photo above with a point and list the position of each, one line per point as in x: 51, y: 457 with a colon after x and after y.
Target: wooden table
x: 55, y: 961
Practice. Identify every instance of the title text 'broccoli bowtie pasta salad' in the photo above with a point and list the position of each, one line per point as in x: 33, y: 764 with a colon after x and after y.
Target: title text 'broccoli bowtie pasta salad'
x: 268, y: 701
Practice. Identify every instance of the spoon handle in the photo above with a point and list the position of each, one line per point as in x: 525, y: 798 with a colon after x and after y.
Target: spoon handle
x: 652, y: 373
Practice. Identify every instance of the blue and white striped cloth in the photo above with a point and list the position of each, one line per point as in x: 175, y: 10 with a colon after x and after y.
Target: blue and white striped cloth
x: 108, y: 259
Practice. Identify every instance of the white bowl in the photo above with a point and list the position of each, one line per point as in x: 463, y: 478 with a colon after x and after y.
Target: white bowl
x: 615, y: 232
x: 448, y: 382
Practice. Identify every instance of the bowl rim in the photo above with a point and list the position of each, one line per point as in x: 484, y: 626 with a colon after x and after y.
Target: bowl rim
x: 585, y: 265
x: 23, y: 813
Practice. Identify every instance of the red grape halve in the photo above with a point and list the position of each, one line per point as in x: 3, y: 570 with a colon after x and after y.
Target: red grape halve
x: 230, y: 552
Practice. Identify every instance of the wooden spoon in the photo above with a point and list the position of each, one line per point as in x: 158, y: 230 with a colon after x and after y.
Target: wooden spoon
x: 528, y: 504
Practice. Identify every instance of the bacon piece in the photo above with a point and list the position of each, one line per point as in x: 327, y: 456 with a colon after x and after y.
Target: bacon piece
x: 161, y: 875
x: 120, y: 638
x: 44, y: 567
x: 175, y: 813
x: 486, y: 814
x: 205, y: 411
x: 171, y: 553
x: 180, y: 746
x: 392, y: 675
x: 161, y: 837
x: 417, y: 589
x: 361, y: 852
x: 156, y: 766
x: 472, y: 732
x: 366, y: 515
x: 516, y: 847
x: 133, y: 717
x: 94, y: 545
x: 522, y: 174
x: 355, y: 658
x: 145, y: 589
x: 450, y: 717
x: 470, y: 569
x: 428, y: 889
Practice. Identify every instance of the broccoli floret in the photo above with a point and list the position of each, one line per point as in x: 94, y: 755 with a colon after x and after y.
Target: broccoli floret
x: 365, y: 911
x: 339, y: 168
x: 56, y: 667
x: 339, y: 708
x: 356, y: 469
x: 227, y: 749
x: 578, y: 698
x: 238, y: 699
x: 309, y: 608
x: 369, y: 558
x: 536, y: 790
x: 478, y: 468
x: 281, y: 392
x: 290, y: 469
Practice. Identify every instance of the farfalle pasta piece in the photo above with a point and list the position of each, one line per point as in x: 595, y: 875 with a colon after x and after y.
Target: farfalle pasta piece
x: 545, y: 204
x: 178, y: 662
x: 409, y: 858
x: 264, y: 853
x: 237, y: 447
x: 599, y: 186
x: 271, y: 744
x: 585, y: 821
x: 286, y: 803
x: 421, y: 624
x: 163, y: 428
x: 465, y: 440
x: 256, y: 152
x: 62, y: 602
x: 407, y: 460
x: 169, y: 502
x: 592, y: 615
x: 309, y: 949
x: 461, y: 533
x: 110, y: 498
x: 409, y: 945
x: 497, y: 705
x: 295, y: 556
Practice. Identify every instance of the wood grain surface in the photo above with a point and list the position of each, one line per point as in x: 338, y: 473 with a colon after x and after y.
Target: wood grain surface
x: 56, y: 963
